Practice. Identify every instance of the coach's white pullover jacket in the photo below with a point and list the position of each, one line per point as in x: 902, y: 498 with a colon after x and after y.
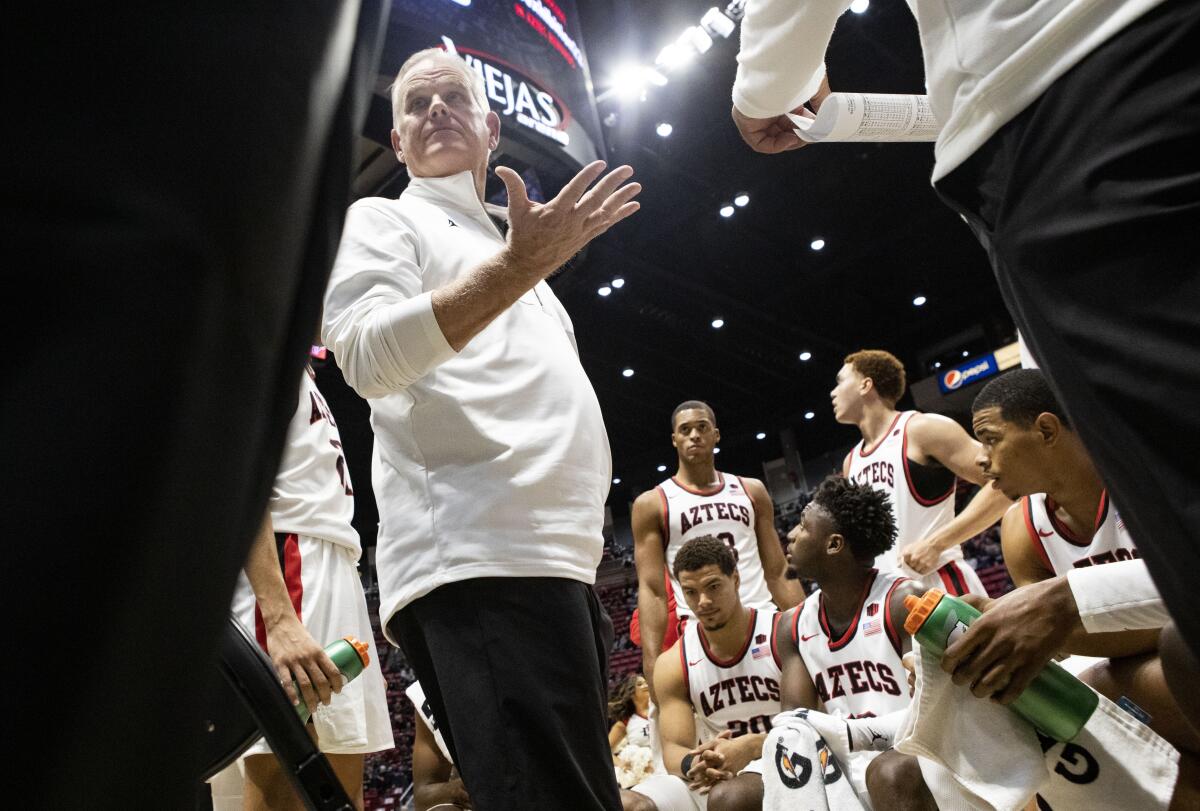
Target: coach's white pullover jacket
x: 985, y: 60
x: 490, y: 462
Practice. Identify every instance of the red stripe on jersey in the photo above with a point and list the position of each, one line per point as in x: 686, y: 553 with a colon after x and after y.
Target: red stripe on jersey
x: 848, y: 634
x: 862, y: 450
x: 912, y: 489
x: 713, y: 492
x: 1035, y: 537
x: 956, y: 585
x: 1101, y: 511
x: 774, y: 647
x: 745, y: 646
x: 846, y: 465
x: 290, y: 564
x: 687, y: 682
x: 662, y: 521
x: 796, y: 624
x: 750, y: 498
x: 890, y: 628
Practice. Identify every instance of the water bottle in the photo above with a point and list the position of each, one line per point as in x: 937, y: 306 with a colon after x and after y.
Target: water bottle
x: 349, y: 656
x: 1055, y: 702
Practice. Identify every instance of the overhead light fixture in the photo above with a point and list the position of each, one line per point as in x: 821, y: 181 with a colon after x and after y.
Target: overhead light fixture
x: 808, y: 415
x: 741, y: 200
x: 817, y: 244
x: 630, y: 81
x: 806, y: 355
x: 627, y: 372
x: 937, y: 364
x: 617, y: 480
x: 919, y: 301
x: 674, y: 56
x: 717, y: 323
x: 717, y: 24
x: 605, y: 290
x: 965, y: 353
x: 716, y: 450
x: 726, y: 210
x: 760, y: 435
x: 859, y: 6
x: 695, y: 38
x: 662, y: 468
x: 664, y: 129
x: 617, y: 283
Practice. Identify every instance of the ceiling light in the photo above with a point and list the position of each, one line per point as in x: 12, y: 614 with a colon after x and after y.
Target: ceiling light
x: 965, y: 353
x: 654, y: 77
x: 808, y: 415
x: 617, y: 283
x: 662, y: 468
x: 937, y: 364
x: 760, y: 435
x: 674, y: 56
x: 717, y: 323
x: 627, y: 372
x: 727, y: 210
x: 716, y: 450
x: 817, y: 244
x: 919, y: 301
x: 806, y: 355
x: 696, y: 38
x: 605, y: 290
x: 617, y: 480
x: 741, y: 200
x: 664, y: 129
x: 859, y: 6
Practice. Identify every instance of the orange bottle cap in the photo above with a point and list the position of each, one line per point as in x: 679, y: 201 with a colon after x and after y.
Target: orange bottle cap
x: 362, y: 648
x: 919, y: 609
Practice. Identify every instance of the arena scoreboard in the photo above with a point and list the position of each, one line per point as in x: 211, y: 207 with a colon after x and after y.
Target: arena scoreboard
x: 530, y: 55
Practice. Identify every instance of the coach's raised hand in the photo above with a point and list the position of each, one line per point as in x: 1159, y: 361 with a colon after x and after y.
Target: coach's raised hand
x: 542, y: 236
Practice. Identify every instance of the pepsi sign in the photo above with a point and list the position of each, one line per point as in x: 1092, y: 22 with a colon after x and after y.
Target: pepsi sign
x: 967, y: 373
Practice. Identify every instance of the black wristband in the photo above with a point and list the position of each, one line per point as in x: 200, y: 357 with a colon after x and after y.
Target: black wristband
x: 685, y: 765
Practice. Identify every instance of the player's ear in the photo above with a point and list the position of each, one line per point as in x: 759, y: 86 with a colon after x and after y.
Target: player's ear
x: 1049, y: 427
x: 716, y: 435
x: 835, y: 543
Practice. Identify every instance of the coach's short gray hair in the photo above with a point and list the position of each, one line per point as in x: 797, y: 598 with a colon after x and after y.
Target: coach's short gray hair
x: 474, y: 80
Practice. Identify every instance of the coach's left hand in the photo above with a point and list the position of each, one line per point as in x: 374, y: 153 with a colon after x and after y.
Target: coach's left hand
x: 1003, y: 650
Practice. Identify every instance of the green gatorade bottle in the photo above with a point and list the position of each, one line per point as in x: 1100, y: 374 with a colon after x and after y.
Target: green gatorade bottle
x: 349, y: 656
x: 1055, y: 702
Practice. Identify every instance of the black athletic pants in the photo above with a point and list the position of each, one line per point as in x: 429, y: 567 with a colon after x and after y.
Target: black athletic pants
x: 515, y: 669
x: 175, y: 179
x: 1088, y: 204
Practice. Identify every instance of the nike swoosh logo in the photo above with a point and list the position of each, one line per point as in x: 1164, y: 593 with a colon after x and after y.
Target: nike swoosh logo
x: 693, y: 664
x: 1045, y: 534
x: 810, y: 636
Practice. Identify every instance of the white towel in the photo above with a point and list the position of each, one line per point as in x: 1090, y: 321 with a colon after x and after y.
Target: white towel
x: 998, y: 761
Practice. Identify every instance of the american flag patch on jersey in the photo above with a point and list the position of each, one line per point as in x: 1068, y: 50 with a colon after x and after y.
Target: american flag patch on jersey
x: 872, y: 627
x: 760, y: 652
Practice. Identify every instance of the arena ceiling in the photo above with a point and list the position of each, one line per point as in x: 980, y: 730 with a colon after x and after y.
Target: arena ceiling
x: 887, y: 239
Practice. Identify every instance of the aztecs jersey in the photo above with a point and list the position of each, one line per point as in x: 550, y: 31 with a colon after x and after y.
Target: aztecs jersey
x: 858, y: 674
x: 1061, y: 550
x: 886, y: 467
x: 741, y: 694
x: 726, y: 512
x: 424, y: 714
x: 312, y: 494
x: 637, y: 731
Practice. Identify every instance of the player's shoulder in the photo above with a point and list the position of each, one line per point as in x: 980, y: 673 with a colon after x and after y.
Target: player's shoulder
x: 650, y: 500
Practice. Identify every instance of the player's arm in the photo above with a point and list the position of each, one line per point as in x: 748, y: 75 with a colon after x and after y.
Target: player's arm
x: 786, y: 593
x: 1026, y: 567
x: 898, y: 612
x: 676, y: 721
x: 796, y: 687
x: 296, y: 655
x: 932, y: 436
x: 616, y: 735
x: 432, y: 775
x: 650, y: 558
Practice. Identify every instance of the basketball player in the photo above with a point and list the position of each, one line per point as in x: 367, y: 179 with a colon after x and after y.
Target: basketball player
x: 914, y: 458
x: 436, y: 783
x: 719, y: 684
x: 700, y: 500
x: 310, y: 511
x: 841, y: 651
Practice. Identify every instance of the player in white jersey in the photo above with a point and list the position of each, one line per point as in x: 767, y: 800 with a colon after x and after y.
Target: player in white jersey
x: 436, y: 782
x: 300, y: 590
x: 841, y: 650
x: 718, y: 686
x: 914, y: 458
x: 699, y: 500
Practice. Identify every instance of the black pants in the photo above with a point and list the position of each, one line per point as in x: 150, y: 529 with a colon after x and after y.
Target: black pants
x: 175, y: 182
x: 515, y: 670
x: 1088, y: 204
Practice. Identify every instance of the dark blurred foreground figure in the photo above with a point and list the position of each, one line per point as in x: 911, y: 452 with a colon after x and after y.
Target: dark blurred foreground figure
x: 174, y: 185
x: 1068, y: 145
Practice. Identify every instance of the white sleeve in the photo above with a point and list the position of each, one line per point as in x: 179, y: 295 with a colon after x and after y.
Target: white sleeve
x: 781, y: 61
x: 1117, y: 597
x: 378, y: 320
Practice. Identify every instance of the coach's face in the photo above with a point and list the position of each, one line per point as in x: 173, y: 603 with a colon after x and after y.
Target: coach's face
x: 440, y: 127
x: 1017, y: 458
x: 711, y: 594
